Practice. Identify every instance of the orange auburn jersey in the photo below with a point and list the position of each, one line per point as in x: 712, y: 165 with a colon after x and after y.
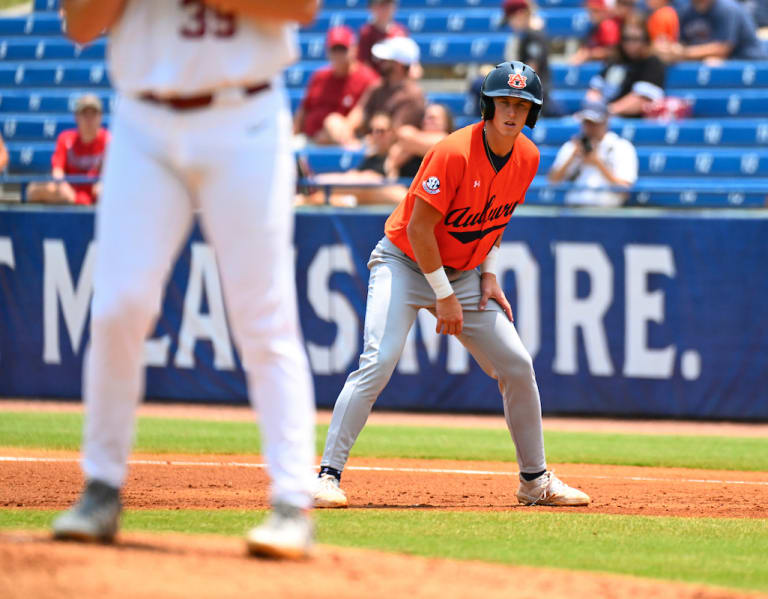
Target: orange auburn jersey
x: 457, y: 179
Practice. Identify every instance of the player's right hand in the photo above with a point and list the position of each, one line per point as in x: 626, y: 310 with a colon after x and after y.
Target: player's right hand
x: 450, y: 317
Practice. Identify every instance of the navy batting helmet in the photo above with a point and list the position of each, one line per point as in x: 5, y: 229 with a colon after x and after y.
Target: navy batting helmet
x: 515, y: 79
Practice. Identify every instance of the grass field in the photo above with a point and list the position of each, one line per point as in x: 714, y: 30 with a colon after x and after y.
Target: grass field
x: 724, y: 552
x: 164, y: 435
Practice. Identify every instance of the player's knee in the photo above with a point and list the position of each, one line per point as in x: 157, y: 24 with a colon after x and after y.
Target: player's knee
x: 518, y: 369
x: 124, y: 307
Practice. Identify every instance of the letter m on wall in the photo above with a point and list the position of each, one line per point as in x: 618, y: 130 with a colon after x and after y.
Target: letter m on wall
x: 60, y: 291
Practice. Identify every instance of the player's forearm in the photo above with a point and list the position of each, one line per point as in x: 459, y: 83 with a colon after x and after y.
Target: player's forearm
x: 425, y: 248
x: 3, y: 157
x: 300, y: 11
x: 88, y: 19
x: 710, y: 50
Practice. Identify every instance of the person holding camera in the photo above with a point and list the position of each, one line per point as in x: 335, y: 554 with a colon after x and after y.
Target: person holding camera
x: 594, y: 160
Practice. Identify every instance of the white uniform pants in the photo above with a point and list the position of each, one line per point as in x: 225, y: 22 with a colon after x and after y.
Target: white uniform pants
x: 397, y: 290
x: 234, y: 164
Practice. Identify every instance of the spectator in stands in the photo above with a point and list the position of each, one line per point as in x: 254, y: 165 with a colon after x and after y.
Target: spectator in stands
x: 373, y: 169
x: 635, y: 78
x: 603, y: 35
x: 78, y: 151
x: 663, y: 23
x: 334, y: 89
x: 595, y: 159
x: 3, y: 155
x: 623, y: 10
x: 397, y: 94
x: 528, y: 45
x: 713, y: 30
x: 758, y: 9
x: 412, y: 143
x: 381, y: 27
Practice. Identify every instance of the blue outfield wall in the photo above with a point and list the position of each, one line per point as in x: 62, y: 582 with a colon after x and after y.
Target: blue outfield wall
x: 635, y: 312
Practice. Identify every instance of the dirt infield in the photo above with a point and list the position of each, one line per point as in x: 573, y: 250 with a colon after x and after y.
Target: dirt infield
x: 181, y: 566
x: 53, y: 480
x: 185, y: 566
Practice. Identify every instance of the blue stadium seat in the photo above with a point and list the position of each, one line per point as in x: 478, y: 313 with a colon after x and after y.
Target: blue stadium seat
x: 744, y: 133
x: 50, y: 5
x: 732, y: 74
x: 707, y: 103
x: 435, y: 48
x: 32, y: 24
x: 80, y: 74
x: 45, y: 5
x: 670, y: 192
x: 36, y: 127
x: 558, y: 22
x: 690, y: 132
x: 46, y: 101
x: 50, y: 48
x: 653, y: 161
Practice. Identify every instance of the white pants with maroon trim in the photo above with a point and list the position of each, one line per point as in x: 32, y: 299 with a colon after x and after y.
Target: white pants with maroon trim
x: 232, y: 163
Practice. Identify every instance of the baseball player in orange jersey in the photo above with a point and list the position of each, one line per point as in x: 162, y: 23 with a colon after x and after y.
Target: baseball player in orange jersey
x: 439, y: 253
x: 202, y: 124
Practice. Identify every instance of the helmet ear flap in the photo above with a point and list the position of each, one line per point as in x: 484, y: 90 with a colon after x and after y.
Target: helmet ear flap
x: 487, y: 107
x: 533, y: 116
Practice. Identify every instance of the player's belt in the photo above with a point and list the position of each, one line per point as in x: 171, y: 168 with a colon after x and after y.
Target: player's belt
x: 195, y: 102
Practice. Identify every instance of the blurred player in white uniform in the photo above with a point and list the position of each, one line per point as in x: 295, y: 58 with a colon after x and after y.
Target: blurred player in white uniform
x: 202, y: 124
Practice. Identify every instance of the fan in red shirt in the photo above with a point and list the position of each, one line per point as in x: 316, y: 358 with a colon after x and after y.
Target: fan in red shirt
x: 78, y: 151
x: 380, y: 28
x: 334, y: 89
x: 603, y: 35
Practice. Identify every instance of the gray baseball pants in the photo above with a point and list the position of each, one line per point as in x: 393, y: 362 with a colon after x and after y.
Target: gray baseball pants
x: 397, y: 290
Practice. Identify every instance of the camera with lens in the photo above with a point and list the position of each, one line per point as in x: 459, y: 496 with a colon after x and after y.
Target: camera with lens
x: 586, y: 143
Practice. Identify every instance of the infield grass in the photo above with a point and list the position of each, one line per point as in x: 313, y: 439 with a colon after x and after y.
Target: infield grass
x: 48, y: 430
x: 722, y: 552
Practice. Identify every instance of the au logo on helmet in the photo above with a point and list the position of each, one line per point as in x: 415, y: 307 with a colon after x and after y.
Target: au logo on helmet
x: 517, y: 81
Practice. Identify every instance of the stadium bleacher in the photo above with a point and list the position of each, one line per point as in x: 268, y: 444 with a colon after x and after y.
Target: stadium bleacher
x: 718, y: 157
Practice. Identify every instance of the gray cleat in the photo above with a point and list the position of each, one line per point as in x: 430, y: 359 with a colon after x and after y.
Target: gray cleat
x: 94, y: 518
x: 287, y: 533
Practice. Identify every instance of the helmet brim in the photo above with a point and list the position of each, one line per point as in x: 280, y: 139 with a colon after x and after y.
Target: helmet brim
x: 513, y: 93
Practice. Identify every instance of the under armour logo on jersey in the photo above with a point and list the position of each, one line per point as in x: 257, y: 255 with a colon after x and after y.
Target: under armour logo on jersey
x: 517, y: 81
x: 476, y: 184
x: 431, y: 185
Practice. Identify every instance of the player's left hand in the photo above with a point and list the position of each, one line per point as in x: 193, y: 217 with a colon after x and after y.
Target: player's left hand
x: 490, y: 289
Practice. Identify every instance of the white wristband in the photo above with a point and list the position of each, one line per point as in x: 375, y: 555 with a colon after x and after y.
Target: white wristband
x: 439, y: 282
x: 490, y: 262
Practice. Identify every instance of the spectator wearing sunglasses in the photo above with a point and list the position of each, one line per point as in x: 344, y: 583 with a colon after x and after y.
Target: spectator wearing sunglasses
x: 373, y: 169
x: 635, y: 78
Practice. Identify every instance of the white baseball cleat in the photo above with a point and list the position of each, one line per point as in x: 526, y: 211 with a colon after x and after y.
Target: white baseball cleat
x: 328, y: 493
x: 287, y: 533
x: 549, y: 490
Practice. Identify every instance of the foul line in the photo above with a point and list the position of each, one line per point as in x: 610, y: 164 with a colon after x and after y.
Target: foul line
x: 393, y: 469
